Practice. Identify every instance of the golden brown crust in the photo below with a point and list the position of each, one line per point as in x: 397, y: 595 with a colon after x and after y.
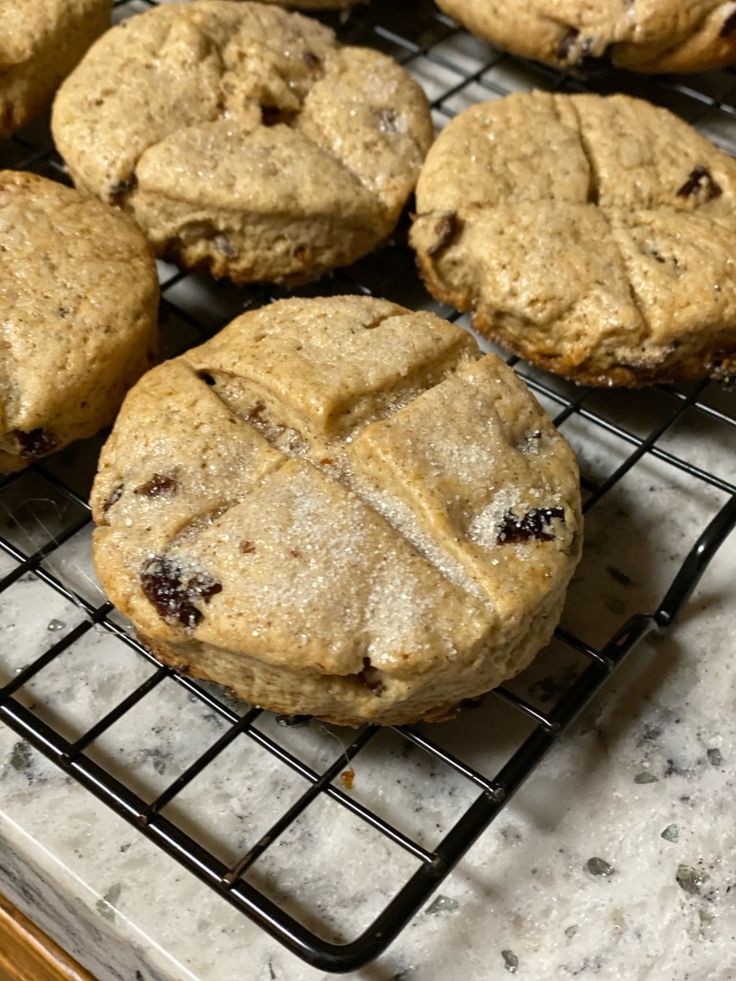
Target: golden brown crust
x: 714, y: 363
x: 79, y: 295
x: 652, y: 36
x: 244, y: 139
x: 40, y: 43
x: 592, y: 236
x: 337, y: 508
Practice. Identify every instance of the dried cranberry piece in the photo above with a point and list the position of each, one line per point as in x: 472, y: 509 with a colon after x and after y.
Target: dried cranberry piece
x: 123, y: 187
x: 312, y: 61
x: 273, y: 115
x: 114, y: 497
x: 205, y: 586
x: 445, y: 231
x: 37, y: 442
x: 164, y: 586
x: 254, y: 414
x: 160, y: 483
x: 371, y: 677
x: 534, y: 526
x: 576, y: 51
x: 567, y: 43
x: 700, y: 179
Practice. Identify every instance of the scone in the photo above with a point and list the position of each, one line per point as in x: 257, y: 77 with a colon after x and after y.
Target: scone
x: 243, y: 138
x: 593, y: 236
x: 337, y: 508
x: 40, y: 42
x: 641, y: 35
x: 78, y: 315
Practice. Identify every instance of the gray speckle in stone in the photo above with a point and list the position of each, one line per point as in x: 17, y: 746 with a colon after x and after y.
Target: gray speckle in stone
x: 104, y: 909
x: 650, y: 734
x: 21, y: 757
x: 54, y: 626
x: 705, y: 917
x: 714, y: 757
x: 599, y: 866
x: 571, y: 930
x: 674, y: 768
x: 510, y: 961
x: 671, y: 833
x: 443, y: 904
x: 511, y: 835
x: 645, y: 777
x: 689, y: 879
x: 105, y: 906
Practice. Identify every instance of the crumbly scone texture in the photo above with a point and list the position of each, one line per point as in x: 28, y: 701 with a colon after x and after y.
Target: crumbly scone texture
x: 337, y: 508
x: 642, y: 35
x: 244, y: 138
x: 595, y: 237
x: 78, y: 315
x: 40, y: 43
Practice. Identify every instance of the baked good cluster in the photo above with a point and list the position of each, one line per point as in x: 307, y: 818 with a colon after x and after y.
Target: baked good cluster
x: 337, y: 506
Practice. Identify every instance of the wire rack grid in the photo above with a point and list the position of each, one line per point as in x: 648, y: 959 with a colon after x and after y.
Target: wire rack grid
x: 456, y: 70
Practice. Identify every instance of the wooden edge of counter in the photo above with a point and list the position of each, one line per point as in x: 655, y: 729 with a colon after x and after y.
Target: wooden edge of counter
x: 27, y: 954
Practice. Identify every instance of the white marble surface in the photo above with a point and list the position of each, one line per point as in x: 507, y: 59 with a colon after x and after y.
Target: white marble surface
x: 656, y: 752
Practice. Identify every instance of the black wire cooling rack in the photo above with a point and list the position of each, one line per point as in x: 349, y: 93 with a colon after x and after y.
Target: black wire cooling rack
x: 456, y: 70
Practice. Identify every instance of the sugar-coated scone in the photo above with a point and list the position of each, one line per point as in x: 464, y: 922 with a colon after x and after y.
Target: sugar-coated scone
x: 643, y: 35
x: 40, y: 42
x: 78, y: 315
x: 593, y: 236
x: 337, y: 508
x: 244, y: 138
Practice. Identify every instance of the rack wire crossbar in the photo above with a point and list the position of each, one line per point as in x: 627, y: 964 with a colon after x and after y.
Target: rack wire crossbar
x: 431, y: 46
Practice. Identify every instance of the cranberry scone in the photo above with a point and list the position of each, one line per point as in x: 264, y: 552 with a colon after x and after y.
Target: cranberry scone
x: 78, y: 315
x: 243, y: 138
x: 650, y: 36
x: 337, y: 508
x: 593, y: 236
x: 40, y: 42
